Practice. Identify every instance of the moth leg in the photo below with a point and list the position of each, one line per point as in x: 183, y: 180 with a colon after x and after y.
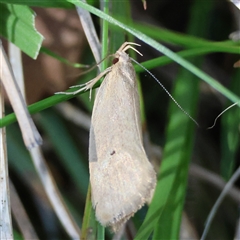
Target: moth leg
x: 88, y: 85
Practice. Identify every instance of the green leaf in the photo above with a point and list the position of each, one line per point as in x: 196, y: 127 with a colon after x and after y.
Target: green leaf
x: 18, y: 26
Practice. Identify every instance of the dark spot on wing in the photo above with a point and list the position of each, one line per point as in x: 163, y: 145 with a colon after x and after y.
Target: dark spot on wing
x: 112, y: 153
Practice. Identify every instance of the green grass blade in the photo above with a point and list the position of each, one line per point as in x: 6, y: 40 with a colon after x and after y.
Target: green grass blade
x: 185, y: 40
x: 89, y: 221
x: 161, y: 61
x: 230, y: 138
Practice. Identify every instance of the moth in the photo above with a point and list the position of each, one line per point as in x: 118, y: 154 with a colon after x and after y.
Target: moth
x: 122, y: 178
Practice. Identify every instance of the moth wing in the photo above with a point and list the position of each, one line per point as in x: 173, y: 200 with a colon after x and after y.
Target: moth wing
x: 122, y: 178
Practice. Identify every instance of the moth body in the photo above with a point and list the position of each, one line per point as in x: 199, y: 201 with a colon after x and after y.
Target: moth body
x: 122, y: 179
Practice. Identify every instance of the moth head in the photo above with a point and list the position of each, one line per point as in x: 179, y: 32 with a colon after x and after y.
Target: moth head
x: 120, y: 57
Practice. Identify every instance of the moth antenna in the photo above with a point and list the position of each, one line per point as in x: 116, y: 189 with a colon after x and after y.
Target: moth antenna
x: 129, y: 46
x: 126, y: 44
x: 168, y: 93
x: 221, y: 115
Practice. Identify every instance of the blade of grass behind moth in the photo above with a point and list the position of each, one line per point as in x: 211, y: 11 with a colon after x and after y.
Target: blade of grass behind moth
x: 184, y: 40
x: 89, y: 230
x: 104, y: 5
x: 5, y: 211
x: 230, y: 139
x: 29, y: 131
x: 117, y: 35
x: 90, y: 32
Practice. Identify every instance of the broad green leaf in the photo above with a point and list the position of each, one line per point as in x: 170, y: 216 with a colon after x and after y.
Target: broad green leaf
x: 18, y: 26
